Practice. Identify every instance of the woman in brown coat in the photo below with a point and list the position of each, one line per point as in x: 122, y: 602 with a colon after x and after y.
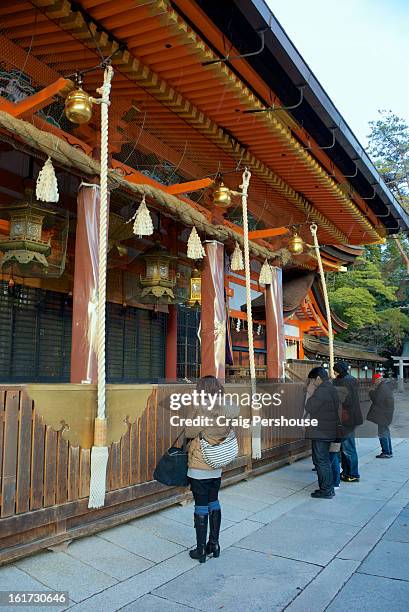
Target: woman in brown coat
x: 204, y: 480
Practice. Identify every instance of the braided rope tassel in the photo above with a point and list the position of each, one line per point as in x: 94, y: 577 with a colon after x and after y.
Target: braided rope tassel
x: 236, y: 262
x: 256, y: 433
x: 195, y: 249
x: 143, y: 225
x: 314, y: 229
x: 47, y: 186
x: 99, y: 452
x: 266, y: 276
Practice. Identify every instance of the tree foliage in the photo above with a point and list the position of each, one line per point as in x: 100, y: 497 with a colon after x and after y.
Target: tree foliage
x: 373, y: 296
x: 389, y: 147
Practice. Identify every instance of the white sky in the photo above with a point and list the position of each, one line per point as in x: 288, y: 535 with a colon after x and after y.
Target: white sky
x: 358, y: 50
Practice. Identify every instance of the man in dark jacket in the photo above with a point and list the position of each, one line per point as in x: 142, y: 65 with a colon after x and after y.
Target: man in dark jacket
x: 349, y: 456
x: 381, y: 413
x: 322, y: 404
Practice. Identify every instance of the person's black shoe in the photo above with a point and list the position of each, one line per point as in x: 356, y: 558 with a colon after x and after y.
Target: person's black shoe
x: 321, y: 495
x: 199, y: 552
x: 213, y: 547
x: 384, y: 456
x: 346, y: 478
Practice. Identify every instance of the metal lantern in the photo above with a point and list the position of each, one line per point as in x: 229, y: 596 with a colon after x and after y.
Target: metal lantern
x: 159, y: 278
x: 221, y: 195
x: 24, y: 246
x: 296, y: 244
x: 78, y: 104
x: 195, y: 297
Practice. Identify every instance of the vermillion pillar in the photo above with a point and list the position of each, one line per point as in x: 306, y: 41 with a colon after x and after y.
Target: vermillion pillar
x: 85, y: 293
x: 275, y: 337
x: 171, y: 343
x: 213, y: 312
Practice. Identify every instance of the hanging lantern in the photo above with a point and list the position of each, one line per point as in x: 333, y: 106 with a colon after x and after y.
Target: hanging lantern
x: 195, y: 297
x: 221, y: 195
x: 78, y: 104
x: 159, y: 278
x: 25, y: 248
x: 296, y: 244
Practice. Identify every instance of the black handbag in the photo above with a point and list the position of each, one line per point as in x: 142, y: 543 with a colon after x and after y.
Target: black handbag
x: 171, y: 469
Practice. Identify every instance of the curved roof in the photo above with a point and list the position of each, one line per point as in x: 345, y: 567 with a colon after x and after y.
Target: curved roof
x: 342, y: 350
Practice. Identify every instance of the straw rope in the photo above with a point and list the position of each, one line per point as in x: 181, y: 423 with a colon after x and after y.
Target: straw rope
x: 70, y: 157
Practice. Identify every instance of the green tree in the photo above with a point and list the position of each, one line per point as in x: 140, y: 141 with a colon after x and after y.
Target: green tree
x: 389, y: 148
x: 373, y: 295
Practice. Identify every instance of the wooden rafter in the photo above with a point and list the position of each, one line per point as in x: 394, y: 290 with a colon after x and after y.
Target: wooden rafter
x: 38, y: 100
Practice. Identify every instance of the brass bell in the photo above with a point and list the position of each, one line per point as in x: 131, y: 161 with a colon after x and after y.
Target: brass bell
x: 221, y: 195
x: 296, y: 244
x: 78, y: 104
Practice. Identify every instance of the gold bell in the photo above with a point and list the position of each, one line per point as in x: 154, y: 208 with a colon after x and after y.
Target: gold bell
x: 78, y: 105
x: 221, y: 195
x: 296, y: 244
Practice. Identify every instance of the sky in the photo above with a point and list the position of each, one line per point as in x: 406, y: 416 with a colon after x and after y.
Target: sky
x: 358, y: 50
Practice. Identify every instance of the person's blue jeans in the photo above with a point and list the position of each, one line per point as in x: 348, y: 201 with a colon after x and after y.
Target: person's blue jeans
x: 349, y: 456
x: 321, y: 460
x: 384, y: 435
x: 336, y: 476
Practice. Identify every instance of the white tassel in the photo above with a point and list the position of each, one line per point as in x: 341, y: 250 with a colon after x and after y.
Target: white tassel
x: 238, y: 325
x: 47, y: 186
x: 266, y: 276
x: 99, y: 462
x: 236, y: 262
x: 258, y: 330
x: 195, y: 248
x: 143, y: 225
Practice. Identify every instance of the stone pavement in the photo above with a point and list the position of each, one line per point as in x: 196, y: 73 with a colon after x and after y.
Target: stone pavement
x: 281, y: 550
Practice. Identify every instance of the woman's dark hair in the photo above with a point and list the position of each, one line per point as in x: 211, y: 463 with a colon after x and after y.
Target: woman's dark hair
x: 319, y: 371
x: 209, y: 384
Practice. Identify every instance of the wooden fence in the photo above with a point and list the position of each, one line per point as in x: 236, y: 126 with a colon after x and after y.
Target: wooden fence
x: 44, y: 480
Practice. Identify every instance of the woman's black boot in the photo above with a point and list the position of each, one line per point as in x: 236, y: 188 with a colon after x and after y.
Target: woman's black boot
x: 213, y: 547
x: 201, y: 532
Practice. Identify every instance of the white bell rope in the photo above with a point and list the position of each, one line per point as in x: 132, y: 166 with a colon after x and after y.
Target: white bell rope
x: 99, y: 452
x: 266, y: 276
x: 47, y: 186
x: 236, y: 262
x: 256, y: 432
x: 314, y: 229
x: 195, y: 249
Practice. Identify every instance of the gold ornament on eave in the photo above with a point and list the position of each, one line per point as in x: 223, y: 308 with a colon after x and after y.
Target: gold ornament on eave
x: 221, y: 195
x: 296, y: 244
x: 78, y: 104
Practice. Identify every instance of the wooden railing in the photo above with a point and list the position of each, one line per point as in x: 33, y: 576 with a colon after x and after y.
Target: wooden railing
x: 44, y: 479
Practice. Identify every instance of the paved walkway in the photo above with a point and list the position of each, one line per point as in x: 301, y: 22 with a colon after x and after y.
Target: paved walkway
x: 281, y: 550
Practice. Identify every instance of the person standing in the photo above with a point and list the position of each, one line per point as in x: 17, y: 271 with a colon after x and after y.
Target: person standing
x: 349, y: 455
x: 322, y: 404
x: 381, y: 413
x: 204, y: 480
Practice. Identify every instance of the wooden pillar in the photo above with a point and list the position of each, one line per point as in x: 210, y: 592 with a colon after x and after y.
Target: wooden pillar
x: 83, y: 357
x: 213, y: 312
x: 171, y: 343
x: 275, y: 337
